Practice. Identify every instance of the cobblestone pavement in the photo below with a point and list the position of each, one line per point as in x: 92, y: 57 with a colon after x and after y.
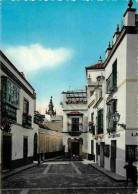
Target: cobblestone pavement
x: 63, y: 177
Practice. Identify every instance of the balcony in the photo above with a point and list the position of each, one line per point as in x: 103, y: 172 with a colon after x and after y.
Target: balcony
x: 9, y: 112
x: 75, y: 130
x: 77, y: 101
x: 27, y: 120
x: 111, y: 83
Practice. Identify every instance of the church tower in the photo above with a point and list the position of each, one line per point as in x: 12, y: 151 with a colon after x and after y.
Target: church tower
x: 51, y: 111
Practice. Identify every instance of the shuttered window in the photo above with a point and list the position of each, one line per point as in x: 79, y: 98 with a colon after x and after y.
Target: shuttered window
x: 100, y: 121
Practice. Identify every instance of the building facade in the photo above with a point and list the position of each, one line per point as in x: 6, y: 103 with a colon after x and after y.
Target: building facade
x: 50, y: 143
x: 20, y: 145
x: 75, y: 123
x: 114, y: 116
x: 110, y: 139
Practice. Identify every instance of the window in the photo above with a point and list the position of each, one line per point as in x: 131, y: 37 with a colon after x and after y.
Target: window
x: 92, y: 116
x: 10, y: 112
x: 75, y: 124
x: 27, y: 119
x: 54, y: 145
x: 26, y: 107
x: 60, y: 144
x: 47, y: 144
x: 111, y: 109
x: 132, y: 152
x: 11, y: 92
x: 111, y: 82
x: 100, y: 121
x: 106, y: 150
x: 114, y: 71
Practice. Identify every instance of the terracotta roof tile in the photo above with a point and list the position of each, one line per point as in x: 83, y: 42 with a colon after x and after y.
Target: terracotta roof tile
x: 96, y: 66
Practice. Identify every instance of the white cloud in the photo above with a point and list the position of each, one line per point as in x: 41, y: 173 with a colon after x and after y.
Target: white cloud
x: 35, y: 57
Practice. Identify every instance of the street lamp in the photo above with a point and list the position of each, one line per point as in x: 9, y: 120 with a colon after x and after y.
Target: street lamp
x: 116, y: 117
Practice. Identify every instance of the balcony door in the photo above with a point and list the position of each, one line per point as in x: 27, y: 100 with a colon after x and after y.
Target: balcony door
x: 75, y: 124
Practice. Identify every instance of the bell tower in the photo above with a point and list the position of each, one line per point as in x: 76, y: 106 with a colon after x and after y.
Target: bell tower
x: 51, y: 111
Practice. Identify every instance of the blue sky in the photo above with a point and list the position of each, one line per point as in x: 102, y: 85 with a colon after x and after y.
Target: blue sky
x: 53, y: 41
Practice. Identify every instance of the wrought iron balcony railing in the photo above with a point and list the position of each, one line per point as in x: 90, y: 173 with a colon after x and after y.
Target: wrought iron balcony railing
x: 27, y: 120
x: 9, y: 112
x: 111, y: 83
x: 75, y: 129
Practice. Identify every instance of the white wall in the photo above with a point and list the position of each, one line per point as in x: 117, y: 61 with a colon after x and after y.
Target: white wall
x: 132, y: 82
x: 18, y: 133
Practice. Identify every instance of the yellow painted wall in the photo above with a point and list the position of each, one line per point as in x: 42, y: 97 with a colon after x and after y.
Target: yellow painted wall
x: 55, y: 143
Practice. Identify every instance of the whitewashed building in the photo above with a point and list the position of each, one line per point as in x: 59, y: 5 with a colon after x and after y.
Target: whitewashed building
x: 113, y: 99
x: 20, y: 145
x: 75, y: 123
x: 95, y: 94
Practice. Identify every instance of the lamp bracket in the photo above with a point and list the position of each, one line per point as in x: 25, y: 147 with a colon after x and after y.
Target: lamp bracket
x: 122, y: 125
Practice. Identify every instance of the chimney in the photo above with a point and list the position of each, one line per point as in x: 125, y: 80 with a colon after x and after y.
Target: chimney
x: 108, y: 50
x: 129, y: 15
x: 116, y: 34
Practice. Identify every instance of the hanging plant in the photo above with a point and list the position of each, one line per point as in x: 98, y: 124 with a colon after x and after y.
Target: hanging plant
x: 5, y: 121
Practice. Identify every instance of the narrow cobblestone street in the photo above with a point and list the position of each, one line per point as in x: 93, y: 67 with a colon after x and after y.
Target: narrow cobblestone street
x: 63, y: 177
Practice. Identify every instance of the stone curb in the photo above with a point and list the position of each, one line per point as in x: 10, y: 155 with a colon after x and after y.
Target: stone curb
x: 17, y: 170
x: 22, y: 168
x: 109, y: 173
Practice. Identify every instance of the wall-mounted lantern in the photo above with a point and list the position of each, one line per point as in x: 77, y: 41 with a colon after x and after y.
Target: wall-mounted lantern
x: 116, y: 117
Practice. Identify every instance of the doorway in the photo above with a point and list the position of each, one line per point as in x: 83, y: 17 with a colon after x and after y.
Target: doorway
x: 75, y: 148
x: 35, y: 146
x: 25, y: 147
x: 6, y: 152
x: 102, y: 154
x: 92, y: 150
x: 113, y: 156
x: 96, y: 152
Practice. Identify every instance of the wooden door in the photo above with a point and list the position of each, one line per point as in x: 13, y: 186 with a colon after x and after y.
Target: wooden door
x: 6, y: 152
x: 113, y: 156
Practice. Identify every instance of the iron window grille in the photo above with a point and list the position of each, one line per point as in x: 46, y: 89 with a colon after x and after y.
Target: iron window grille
x: 131, y: 152
x: 100, y: 122
x: 111, y: 82
x: 11, y: 92
x: 111, y: 109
